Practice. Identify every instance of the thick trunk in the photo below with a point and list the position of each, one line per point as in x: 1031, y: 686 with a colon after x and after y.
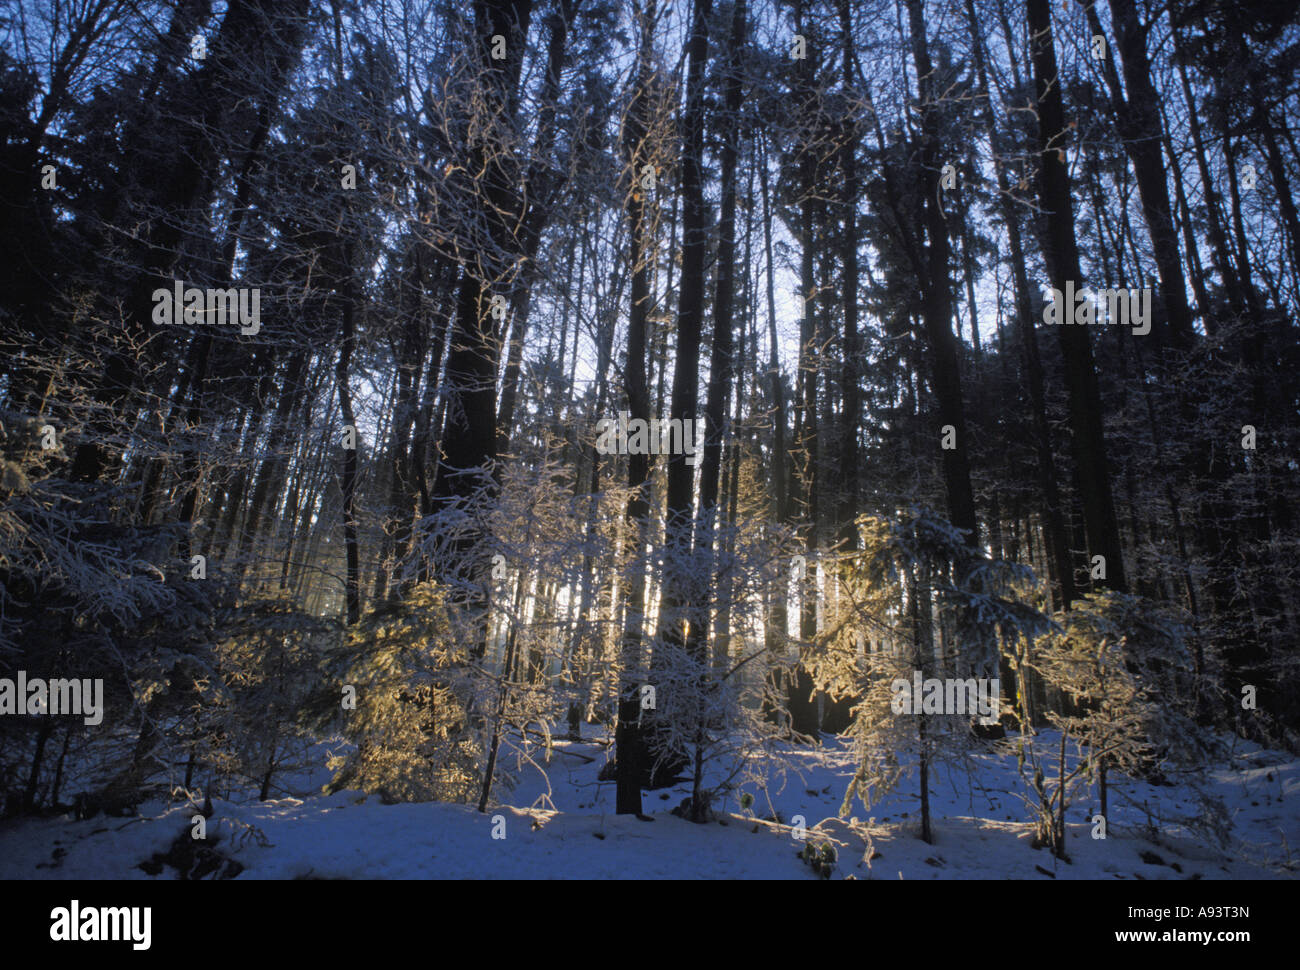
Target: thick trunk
x: 1063, y: 263
x: 937, y: 296
x: 466, y: 473
x: 637, y: 152
x: 1061, y: 571
x: 722, y: 370
x: 1138, y: 118
x: 679, y: 624
x: 690, y: 318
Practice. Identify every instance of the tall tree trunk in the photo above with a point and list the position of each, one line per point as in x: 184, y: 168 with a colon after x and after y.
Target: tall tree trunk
x: 253, y: 33
x: 681, y: 590
x: 690, y: 318
x: 722, y: 370
x: 802, y: 699
x: 348, y: 470
x: 1138, y: 120
x: 937, y: 294
x: 541, y: 190
x: 851, y: 371
x: 637, y: 153
x: 1061, y: 571
x: 466, y: 472
x: 1063, y: 262
x: 776, y: 620
x: 1219, y: 251
x: 401, y: 480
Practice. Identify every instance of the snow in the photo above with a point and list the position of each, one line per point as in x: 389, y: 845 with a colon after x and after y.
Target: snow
x: 564, y: 826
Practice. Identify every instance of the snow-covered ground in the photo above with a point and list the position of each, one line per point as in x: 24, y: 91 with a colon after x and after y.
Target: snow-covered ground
x: 563, y: 825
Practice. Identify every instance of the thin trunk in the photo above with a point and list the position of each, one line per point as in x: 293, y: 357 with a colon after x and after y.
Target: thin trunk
x: 348, y: 468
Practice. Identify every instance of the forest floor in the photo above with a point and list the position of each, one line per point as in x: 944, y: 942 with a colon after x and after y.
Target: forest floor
x: 562, y: 825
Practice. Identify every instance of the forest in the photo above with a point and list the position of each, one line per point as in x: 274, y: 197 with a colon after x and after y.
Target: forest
x: 859, y: 424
